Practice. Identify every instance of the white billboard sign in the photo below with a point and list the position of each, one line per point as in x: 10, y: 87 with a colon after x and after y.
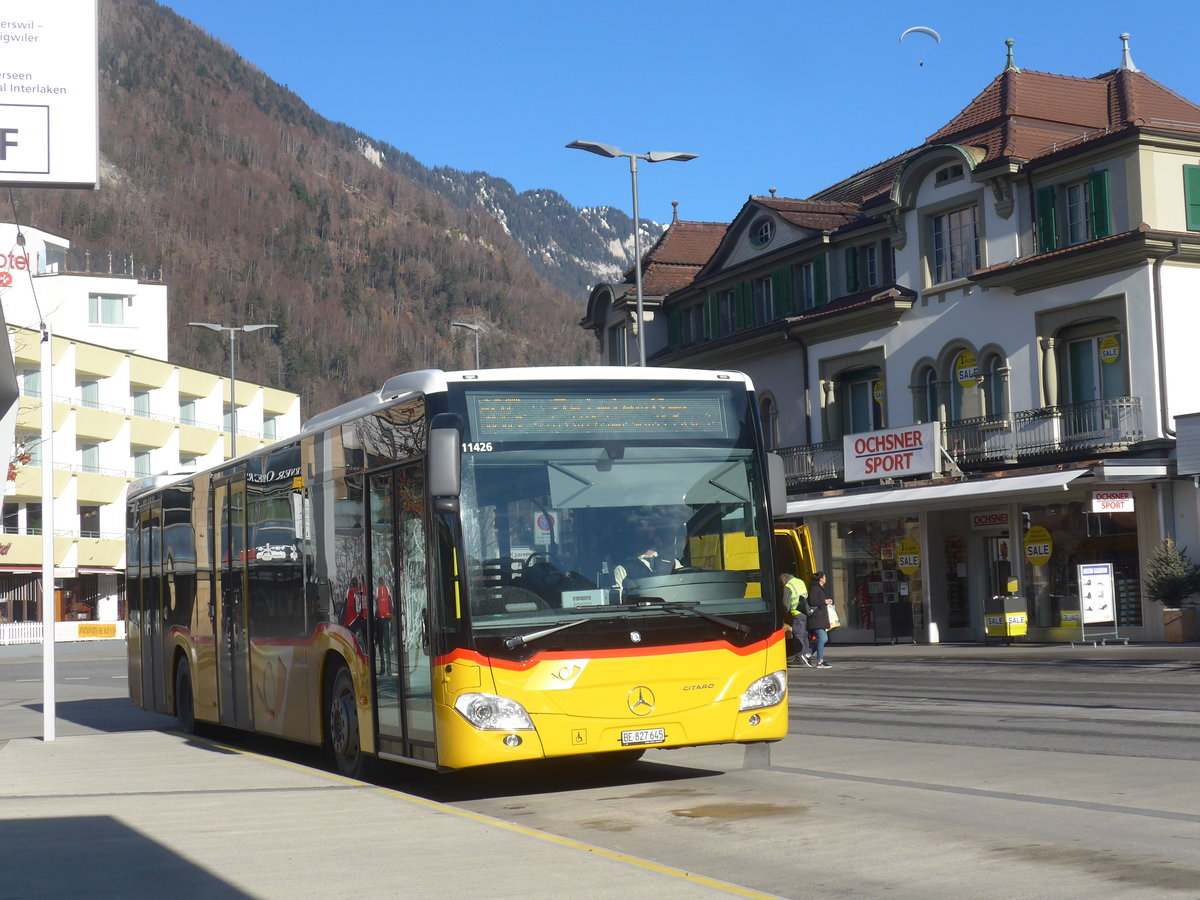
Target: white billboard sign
x: 894, y: 453
x: 49, y: 103
x: 1110, y: 500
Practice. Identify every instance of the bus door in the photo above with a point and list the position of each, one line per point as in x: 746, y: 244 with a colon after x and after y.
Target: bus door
x: 400, y: 608
x: 233, y: 651
x: 151, y: 584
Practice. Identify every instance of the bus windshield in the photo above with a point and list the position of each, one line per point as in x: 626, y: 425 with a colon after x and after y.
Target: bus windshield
x: 643, y: 503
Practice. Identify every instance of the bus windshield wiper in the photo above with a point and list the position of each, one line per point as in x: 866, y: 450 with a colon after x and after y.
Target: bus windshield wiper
x: 521, y: 640
x: 659, y: 603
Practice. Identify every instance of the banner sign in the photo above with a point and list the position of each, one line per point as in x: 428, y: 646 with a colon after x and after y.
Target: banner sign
x: 894, y: 453
x: 49, y: 100
x: 1112, y: 501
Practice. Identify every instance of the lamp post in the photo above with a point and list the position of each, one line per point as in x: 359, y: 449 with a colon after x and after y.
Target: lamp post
x: 470, y: 327
x: 653, y: 156
x: 232, y: 329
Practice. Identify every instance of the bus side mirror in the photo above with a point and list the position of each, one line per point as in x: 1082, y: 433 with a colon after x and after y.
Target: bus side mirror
x: 445, y: 461
x: 776, y: 485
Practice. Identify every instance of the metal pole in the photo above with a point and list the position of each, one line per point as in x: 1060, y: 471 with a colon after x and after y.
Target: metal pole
x: 48, y: 610
x: 476, y: 330
x: 637, y: 262
x: 232, y: 400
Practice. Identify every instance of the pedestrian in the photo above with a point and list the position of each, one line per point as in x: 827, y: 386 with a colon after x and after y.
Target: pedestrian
x: 796, y: 602
x: 818, y: 619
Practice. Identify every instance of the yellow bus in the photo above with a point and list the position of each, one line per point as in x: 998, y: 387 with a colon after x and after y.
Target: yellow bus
x: 444, y: 573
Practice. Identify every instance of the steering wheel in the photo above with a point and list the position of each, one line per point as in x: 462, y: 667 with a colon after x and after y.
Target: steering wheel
x: 535, y: 559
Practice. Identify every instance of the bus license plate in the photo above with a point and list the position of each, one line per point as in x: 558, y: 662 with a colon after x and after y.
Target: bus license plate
x: 643, y: 736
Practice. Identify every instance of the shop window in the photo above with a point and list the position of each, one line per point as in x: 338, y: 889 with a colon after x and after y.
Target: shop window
x: 1080, y: 537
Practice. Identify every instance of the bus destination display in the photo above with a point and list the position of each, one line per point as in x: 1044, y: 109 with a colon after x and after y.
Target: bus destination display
x: 519, y: 416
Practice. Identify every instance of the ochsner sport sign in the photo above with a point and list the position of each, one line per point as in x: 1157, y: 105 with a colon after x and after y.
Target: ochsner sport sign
x: 894, y: 453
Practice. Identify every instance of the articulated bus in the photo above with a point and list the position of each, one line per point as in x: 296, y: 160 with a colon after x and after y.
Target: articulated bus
x: 429, y: 574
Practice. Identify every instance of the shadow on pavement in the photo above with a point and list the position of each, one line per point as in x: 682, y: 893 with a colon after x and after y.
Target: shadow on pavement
x: 96, y: 856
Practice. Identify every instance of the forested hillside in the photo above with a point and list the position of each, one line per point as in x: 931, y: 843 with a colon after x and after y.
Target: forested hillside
x: 260, y: 210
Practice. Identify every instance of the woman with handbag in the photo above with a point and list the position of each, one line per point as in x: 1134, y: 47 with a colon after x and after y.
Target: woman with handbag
x: 819, y: 620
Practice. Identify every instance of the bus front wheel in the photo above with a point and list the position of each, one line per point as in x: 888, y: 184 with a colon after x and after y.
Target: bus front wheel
x: 342, y: 725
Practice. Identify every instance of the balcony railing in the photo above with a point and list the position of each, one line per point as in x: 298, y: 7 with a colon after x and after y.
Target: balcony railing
x: 812, y: 462
x: 79, y: 261
x: 1098, y: 426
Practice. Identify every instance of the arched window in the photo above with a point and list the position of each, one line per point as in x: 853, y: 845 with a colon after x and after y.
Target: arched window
x: 929, y: 411
x: 995, y: 386
x: 769, y: 414
x: 966, y: 393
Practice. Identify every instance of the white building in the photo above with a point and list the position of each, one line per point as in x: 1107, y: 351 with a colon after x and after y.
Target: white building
x: 1015, y: 298
x: 120, y: 411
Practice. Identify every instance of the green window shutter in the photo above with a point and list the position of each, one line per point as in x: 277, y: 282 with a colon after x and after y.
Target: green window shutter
x: 740, y: 294
x: 820, y: 281
x: 712, y: 316
x: 781, y: 287
x: 1047, y: 220
x: 1098, y: 204
x: 1191, y: 196
x: 851, y: 270
x: 674, y: 329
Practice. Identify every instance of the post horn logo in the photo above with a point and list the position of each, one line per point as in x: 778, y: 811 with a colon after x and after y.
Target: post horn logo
x: 641, y: 701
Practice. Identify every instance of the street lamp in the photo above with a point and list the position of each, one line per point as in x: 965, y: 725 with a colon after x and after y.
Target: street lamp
x: 470, y: 327
x: 653, y: 156
x: 232, y: 329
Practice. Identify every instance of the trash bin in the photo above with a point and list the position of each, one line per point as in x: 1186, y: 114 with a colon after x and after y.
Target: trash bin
x: 893, y: 622
x: 1005, y: 617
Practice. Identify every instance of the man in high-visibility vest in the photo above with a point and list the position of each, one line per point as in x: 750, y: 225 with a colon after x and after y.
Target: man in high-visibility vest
x: 795, y: 596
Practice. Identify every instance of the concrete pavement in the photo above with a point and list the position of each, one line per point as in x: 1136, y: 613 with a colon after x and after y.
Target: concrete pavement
x: 148, y: 812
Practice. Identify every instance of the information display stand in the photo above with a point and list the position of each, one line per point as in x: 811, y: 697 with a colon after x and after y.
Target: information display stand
x: 1097, y: 606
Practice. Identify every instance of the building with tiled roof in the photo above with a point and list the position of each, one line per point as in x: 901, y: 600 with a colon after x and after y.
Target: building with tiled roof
x: 974, y: 357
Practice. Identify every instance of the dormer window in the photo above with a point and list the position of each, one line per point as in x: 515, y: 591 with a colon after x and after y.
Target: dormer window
x: 762, y: 232
x: 946, y: 174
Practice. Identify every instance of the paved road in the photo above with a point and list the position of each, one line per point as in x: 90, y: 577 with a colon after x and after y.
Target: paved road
x: 912, y: 772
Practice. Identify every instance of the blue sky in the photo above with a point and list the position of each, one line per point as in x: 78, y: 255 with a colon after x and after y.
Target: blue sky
x: 787, y: 95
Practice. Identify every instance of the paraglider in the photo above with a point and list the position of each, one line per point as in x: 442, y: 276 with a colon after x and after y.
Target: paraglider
x: 921, y: 29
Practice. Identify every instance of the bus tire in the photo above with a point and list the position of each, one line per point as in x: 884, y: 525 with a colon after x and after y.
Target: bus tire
x: 341, y: 717
x: 185, y: 706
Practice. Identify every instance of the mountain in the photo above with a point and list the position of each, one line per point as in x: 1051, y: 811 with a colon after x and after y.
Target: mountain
x: 572, y: 248
x: 260, y: 210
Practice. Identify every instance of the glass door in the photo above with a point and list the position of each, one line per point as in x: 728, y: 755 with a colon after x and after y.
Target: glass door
x: 400, y: 609
x: 233, y: 652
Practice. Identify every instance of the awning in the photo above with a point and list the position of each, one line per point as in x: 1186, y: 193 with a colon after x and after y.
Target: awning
x: 957, y: 493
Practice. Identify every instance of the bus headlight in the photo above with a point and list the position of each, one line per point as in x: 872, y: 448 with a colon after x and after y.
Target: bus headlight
x: 767, y: 691
x: 489, y: 712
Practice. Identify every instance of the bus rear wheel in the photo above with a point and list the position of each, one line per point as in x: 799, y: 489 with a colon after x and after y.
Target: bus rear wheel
x: 185, y: 707
x: 342, y: 725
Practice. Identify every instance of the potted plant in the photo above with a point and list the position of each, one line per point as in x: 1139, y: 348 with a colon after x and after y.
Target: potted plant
x: 1173, y: 580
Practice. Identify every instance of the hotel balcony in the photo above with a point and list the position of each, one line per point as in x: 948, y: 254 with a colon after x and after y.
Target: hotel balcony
x: 1028, y: 436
